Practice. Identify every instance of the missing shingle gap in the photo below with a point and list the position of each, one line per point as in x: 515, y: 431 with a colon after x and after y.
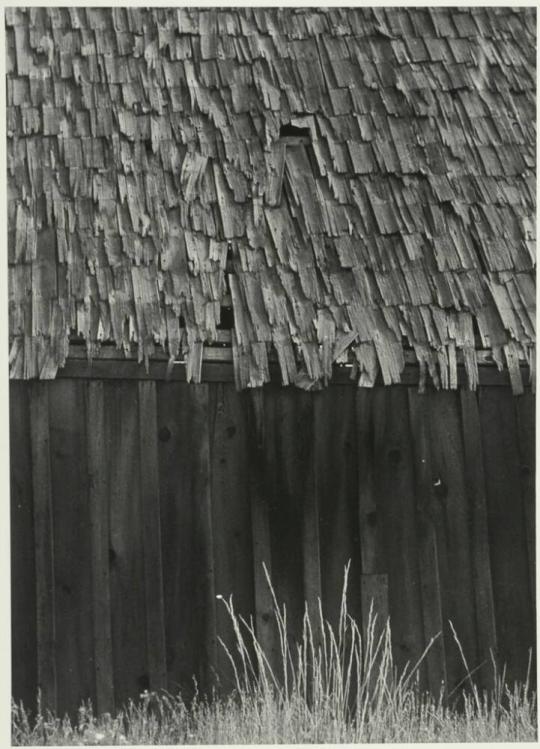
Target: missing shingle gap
x: 291, y: 131
x: 226, y: 318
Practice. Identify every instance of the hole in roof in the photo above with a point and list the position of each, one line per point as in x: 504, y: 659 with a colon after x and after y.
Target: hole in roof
x: 226, y: 319
x: 288, y: 130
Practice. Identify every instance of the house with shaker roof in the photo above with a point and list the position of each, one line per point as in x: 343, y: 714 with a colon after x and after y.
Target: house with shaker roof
x: 271, y: 300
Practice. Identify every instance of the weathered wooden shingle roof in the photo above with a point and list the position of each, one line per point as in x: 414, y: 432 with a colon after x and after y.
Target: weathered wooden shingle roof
x: 148, y: 182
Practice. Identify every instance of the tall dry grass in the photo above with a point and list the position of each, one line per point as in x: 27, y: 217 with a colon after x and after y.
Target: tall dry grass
x: 333, y: 685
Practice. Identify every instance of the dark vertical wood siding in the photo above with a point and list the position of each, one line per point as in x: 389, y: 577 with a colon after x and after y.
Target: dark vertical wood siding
x: 428, y: 548
x: 507, y: 527
x: 186, y: 533
x: 40, y: 466
x: 230, y: 518
x: 98, y: 499
x: 71, y: 544
x: 23, y: 549
x: 128, y: 611
x: 135, y: 505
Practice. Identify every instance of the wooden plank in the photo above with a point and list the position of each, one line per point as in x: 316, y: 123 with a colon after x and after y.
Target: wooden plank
x: 284, y: 487
x: 184, y: 614
x: 294, y: 453
x: 335, y: 456
x: 449, y: 487
x: 434, y: 512
x: 275, y: 175
x: 476, y: 489
x: 231, y: 519
x: 260, y: 526
x: 289, y: 448
x: 43, y: 541
x: 72, y: 545
x: 98, y: 497
x: 24, y: 655
x: 126, y: 542
x: 153, y: 579
x: 395, y: 489
x: 374, y: 602
x: 222, y: 348
x: 222, y: 371
x: 426, y: 514
x: 186, y: 532
x: 370, y: 529
x: 130, y: 370
x: 526, y: 426
x: 311, y: 556
x: 205, y: 529
x: 507, y: 535
x: 311, y: 553
x: 295, y: 140
x: 374, y: 578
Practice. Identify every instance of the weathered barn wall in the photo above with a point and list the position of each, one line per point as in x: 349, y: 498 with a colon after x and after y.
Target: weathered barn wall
x: 136, y: 503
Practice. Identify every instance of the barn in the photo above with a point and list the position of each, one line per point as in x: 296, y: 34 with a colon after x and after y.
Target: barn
x: 271, y: 299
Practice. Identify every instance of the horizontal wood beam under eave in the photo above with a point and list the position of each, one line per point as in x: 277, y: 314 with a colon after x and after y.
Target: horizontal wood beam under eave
x: 223, y: 353
x: 222, y: 371
x: 295, y: 140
